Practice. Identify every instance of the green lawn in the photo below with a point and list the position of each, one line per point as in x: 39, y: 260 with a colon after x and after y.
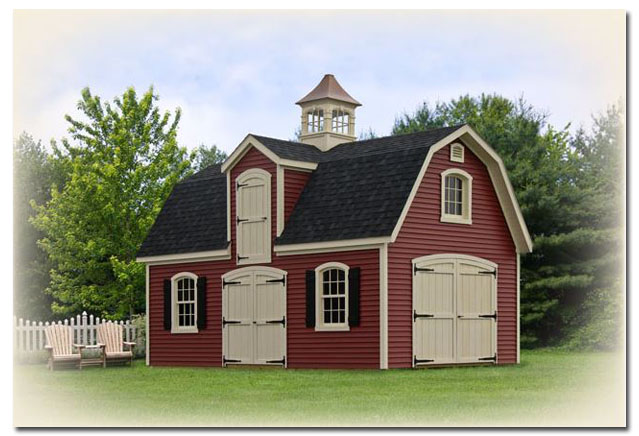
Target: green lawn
x: 549, y: 387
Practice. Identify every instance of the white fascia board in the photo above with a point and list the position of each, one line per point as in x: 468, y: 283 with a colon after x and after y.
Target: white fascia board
x: 499, y: 178
x: 199, y: 256
x: 249, y: 142
x: 331, y: 246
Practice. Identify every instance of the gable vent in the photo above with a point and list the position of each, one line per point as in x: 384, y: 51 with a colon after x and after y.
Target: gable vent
x: 457, y: 153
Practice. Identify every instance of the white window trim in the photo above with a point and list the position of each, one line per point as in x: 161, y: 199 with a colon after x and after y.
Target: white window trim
x: 467, y: 197
x: 266, y: 176
x: 319, y: 307
x: 175, y: 328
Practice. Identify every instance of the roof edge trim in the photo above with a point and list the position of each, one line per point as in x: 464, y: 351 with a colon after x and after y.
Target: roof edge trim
x: 331, y: 246
x: 250, y: 141
x: 199, y: 256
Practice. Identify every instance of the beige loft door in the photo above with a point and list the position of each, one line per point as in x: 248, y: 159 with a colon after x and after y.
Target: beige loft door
x: 253, y: 217
x: 454, y: 310
x: 476, y: 311
x: 254, y: 316
x: 434, y: 312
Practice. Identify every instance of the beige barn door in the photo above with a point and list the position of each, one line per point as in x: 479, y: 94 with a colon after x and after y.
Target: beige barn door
x: 237, y: 318
x: 254, y: 316
x: 270, y: 318
x: 253, y: 217
x: 476, y: 311
x: 434, y: 312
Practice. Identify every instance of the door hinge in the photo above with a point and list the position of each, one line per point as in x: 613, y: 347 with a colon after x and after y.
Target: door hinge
x: 282, y: 280
x: 239, y: 185
x: 242, y: 257
x: 225, y: 361
x: 417, y: 361
x: 225, y: 322
x: 421, y: 315
x: 278, y: 321
x: 488, y: 359
x: 493, y: 316
x: 241, y: 220
x: 282, y: 361
x: 225, y: 283
x: 416, y: 269
x: 493, y: 272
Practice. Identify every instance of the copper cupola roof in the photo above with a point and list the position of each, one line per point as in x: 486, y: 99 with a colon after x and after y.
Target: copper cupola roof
x: 329, y: 87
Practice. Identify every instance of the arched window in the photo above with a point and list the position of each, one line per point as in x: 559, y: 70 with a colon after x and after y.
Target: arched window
x: 315, y: 120
x: 340, y: 121
x: 332, y: 296
x: 456, y: 195
x: 184, y: 296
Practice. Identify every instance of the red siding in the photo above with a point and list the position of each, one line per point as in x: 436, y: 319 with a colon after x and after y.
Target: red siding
x: 294, y: 182
x: 357, y: 348
x: 422, y: 234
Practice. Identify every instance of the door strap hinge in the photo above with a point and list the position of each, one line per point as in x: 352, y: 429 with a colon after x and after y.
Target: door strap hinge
x: 241, y: 220
x: 282, y: 280
x: 416, y: 269
x: 242, y: 257
x: 225, y: 283
x: 488, y: 359
x: 493, y: 272
x: 493, y: 316
x: 421, y: 315
x: 225, y: 360
x: 282, y: 361
x: 417, y: 361
x: 225, y: 322
x: 239, y: 185
x: 278, y: 321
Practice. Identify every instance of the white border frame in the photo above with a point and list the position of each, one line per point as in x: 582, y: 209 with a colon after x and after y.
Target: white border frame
x: 319, y: 308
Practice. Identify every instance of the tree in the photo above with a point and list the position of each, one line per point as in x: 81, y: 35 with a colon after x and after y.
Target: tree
x: 34, y: 171
x: 556, y: 181
x: 123, y: 160
x: 204, y: 156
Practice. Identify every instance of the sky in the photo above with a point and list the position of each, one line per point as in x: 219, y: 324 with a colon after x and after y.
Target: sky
x: 238, y: 72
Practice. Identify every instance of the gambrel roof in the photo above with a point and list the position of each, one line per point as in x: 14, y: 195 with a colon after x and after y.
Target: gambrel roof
x: 356, y: 190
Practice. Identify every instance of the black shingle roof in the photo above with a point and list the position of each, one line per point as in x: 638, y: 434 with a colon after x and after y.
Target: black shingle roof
x: 357, y: 191
x: 193, y: 217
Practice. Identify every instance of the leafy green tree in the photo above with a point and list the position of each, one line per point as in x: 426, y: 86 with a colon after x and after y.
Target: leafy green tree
x: 34, y: 171
x: 204, y: 156
x: 555, y: 183
x: 123, y: 160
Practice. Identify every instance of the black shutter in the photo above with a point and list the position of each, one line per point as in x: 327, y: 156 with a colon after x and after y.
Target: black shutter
x: 167, y: 304
x: 310, y: 298
x: 353, y: 297
x: 201, y: 302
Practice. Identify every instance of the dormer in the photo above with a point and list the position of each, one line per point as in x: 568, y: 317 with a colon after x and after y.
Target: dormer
x: 328, y: 115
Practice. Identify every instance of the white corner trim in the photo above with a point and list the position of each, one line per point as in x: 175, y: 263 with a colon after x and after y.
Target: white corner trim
x: 147, y: 341
x: 280, y: 199
x: 498, y: 176
x: 228, y: 207
x: 250, y: 141
x: 200, y: 256
x: 383, y: 306
x: 518, y: 303
x: 330, y: 246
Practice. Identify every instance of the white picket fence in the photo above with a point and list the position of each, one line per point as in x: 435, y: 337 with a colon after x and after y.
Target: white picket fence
x: 28, y: 336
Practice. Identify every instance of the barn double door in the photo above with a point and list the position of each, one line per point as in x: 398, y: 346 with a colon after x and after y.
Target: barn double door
x: 254, y: 316
x: 454, y: 310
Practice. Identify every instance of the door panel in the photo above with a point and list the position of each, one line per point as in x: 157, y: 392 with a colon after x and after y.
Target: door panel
x: 454, y: 317
x: 254, y: 303
x: 253, y: 218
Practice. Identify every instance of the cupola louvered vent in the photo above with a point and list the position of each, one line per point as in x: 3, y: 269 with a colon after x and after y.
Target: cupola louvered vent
x: 457, y: 153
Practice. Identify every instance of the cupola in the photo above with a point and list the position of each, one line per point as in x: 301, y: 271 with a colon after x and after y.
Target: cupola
x: 328, y: 115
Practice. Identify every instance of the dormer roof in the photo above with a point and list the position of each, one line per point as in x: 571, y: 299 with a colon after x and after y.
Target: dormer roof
x: 329, y: 87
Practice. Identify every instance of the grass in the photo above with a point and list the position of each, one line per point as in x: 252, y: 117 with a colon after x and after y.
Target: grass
x: 549, y: 387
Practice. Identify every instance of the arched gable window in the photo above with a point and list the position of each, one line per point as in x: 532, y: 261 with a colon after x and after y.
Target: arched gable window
x: 184, y: 302
x: 456, y: 196
x: 332, y: 296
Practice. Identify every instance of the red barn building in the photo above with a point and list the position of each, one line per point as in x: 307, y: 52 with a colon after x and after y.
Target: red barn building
x: 392, y: 252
